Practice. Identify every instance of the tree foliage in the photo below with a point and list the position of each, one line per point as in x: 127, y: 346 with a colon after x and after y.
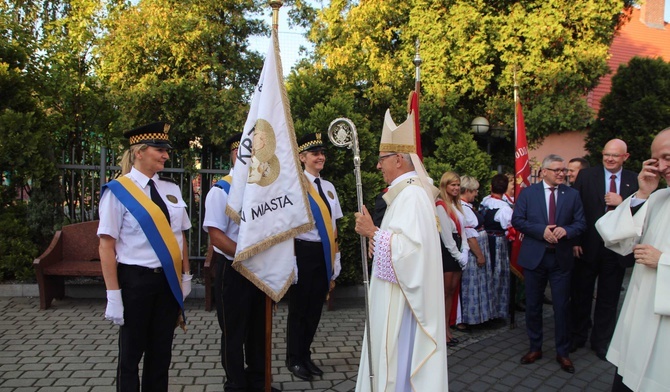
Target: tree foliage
x: 185, y: 62
x: 635, y: 110
x: 26, y: 156
x: 470, y: 51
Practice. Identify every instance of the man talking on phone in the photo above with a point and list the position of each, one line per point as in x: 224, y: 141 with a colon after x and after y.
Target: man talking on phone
x: 640, y: 226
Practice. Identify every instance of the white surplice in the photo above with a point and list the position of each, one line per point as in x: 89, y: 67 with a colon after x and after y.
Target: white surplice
x: 640, y: 347
x: 407, y: 320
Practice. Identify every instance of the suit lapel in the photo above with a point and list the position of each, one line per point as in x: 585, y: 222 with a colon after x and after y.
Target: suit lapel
x: 541, y: 194
x: 560, y: 199
x: 600, y: 183
x: 625, y: 188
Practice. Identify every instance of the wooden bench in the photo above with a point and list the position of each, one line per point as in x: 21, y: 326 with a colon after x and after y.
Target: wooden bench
x: 73, y: 252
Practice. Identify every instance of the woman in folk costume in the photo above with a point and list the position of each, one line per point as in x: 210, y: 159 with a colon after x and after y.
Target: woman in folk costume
x: 455, y: 248
x: 497, y: 221
x: 476, y: 283
x: 408, y: 348
x: 144, y: 259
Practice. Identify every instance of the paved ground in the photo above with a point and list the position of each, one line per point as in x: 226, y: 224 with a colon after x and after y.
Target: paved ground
x: 71, y: 348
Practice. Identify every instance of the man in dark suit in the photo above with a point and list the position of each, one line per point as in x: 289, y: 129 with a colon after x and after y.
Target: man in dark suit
x: 550, y: 215
x: 601, y: 189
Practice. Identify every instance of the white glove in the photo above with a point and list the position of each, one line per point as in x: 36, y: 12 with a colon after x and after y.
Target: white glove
x: 114, y: 311
x: 337, y: 267
x: 295, y: 271
x: 463, y: 261
x: 186, y: 285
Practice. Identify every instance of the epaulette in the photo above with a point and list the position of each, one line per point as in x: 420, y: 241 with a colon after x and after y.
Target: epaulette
x: 168, y: 179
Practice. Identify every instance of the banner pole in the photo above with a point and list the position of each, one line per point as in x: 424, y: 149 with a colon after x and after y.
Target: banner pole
x: 342, y: 133
x: 276, y: 5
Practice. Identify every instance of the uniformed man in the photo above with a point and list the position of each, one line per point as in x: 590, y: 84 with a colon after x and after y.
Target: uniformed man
x: 240, y: 305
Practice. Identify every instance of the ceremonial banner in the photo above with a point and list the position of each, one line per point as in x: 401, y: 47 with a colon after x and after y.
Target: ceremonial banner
x: 268, y: 194
x: 414, y: 107
x: 521, y: 178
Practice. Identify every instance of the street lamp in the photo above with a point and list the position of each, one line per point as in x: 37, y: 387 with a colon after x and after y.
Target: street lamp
x: 480, y: 127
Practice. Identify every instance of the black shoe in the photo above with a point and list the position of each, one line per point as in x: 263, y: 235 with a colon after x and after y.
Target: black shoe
x: 301, y: 372
x: 575, y: 345
x: 312, y: 368
x: 602, y: 354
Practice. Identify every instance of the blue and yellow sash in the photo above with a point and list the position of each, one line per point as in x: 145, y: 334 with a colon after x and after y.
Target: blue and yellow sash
x: 324, y: 226
x: 155, y: 227
x: 224, y: 183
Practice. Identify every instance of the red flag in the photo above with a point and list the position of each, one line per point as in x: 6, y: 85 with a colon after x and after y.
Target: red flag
x: 521, y: 179
x: 414, y: 107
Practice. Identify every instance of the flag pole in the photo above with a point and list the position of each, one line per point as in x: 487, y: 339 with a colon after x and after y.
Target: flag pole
x: 342, y: 133
x: 516, y: 120
x: 417, y: 91
x: 276, y: 5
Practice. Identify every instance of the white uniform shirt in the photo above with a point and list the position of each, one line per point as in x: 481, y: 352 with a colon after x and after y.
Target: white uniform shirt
x: 132, y: 245
x: 215, y: 216
x: 336, y: 210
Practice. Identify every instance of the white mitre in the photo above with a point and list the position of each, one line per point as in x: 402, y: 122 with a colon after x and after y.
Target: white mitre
x: 402, y: 139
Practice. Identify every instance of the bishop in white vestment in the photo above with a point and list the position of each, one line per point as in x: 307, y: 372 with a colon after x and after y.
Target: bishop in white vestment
x: 407, y: 323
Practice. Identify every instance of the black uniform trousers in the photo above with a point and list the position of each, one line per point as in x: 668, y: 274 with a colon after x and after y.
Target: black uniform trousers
x: 306, y: 300
x: 150, y: 314
x: 240, y: 308
x: 610, y: 274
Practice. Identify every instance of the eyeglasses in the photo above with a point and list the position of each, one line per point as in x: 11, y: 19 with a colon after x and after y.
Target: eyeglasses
x: 381, y: 158
x: 615, y: 156
x: 557, y: 171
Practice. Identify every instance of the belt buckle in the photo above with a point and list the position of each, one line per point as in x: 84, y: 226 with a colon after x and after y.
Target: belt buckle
x: 158, y: 270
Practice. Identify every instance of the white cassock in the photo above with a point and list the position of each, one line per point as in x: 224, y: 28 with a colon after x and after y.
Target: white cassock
x: 640, y: 347
x: 407, y: 324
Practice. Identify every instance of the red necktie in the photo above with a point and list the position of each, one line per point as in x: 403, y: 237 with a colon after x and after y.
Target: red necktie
x: 552, y: 206
x: 612, y: 189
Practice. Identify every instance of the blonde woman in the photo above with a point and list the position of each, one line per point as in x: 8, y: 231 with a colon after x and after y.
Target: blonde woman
x: 454, y: 247
x: 144, y: 258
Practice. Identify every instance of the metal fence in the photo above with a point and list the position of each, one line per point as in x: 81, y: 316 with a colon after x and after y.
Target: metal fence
x: 83, y: 177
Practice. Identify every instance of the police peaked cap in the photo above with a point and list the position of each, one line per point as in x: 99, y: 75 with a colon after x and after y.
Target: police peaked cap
x: 233, y: 142
x: 154, y: 135
x: 311, y: 142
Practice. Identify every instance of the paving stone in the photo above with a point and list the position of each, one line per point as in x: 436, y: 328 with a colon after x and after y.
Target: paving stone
x: 72, y: 348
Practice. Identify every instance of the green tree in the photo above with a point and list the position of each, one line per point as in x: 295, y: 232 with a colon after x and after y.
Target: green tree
x: 635, y: 110
x: 26, y: 155
x: 185, y: 62
x: 470, y: 51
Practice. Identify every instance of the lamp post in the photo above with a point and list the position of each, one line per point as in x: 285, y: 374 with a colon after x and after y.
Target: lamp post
x: 480, y: 127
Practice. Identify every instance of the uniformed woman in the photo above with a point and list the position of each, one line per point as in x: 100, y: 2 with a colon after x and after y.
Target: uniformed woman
x: 144, y: 259
x: 317, y: 259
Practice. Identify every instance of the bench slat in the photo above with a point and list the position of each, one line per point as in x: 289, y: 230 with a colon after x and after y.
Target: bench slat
x: 75, y: 268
